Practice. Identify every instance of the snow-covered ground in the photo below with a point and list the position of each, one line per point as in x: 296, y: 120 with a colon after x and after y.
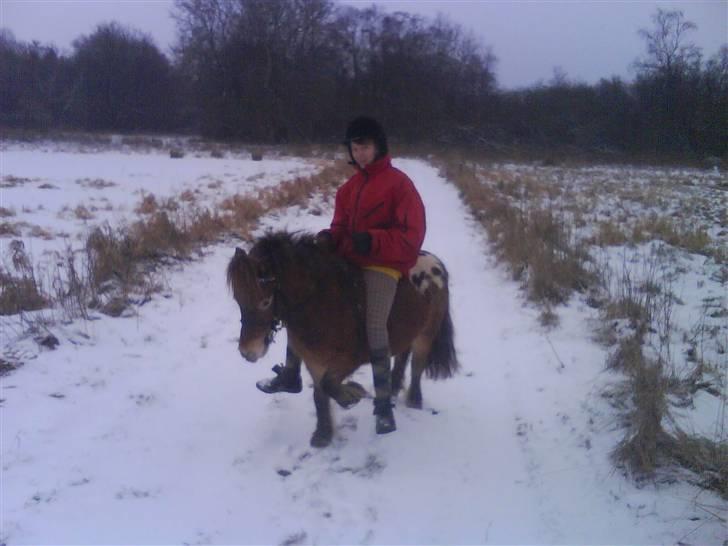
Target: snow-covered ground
x: 149, y: 429
x: 53, y: 197
x: 657, y: 218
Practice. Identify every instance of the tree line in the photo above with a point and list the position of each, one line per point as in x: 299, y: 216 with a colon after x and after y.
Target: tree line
x: 297, y: 70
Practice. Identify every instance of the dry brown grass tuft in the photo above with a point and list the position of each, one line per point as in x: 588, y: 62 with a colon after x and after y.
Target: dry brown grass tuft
x: 176, y: 153
x: 10, y: 181
x: 708, y: 459
x: 148, y: 205
x: 109, y: 256
x: 20, y: 291
x: 677, y: 234
x: 609, y: 234
x: 243, y: 212
x: 7, y: 367
x: 205, y: 227
x: 158, y: 237
x: 645, y: 446
x: 6, y: 213
x: 19, y: 294
x: 95, y: 183
x: 82, y: 213
x: 188, y: 196
x: 41, y: 233
x: 8, y: 229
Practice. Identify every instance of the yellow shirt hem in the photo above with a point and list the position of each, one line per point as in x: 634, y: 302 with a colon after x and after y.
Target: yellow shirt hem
x: 396, y: 275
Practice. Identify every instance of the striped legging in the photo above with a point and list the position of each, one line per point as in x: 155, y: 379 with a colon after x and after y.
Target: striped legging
x: 380, y: 289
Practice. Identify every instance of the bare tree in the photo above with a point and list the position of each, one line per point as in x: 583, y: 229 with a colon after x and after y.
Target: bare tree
x: 668, y: 48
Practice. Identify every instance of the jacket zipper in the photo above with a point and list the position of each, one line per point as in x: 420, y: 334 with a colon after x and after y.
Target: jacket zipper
x: 356, y: 203
x: 372, y: 211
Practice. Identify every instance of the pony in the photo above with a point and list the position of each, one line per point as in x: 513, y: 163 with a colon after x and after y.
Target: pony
x: 290, y: 280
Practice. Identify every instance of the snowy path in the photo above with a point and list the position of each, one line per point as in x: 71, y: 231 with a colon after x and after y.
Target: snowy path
x: 150, y: 430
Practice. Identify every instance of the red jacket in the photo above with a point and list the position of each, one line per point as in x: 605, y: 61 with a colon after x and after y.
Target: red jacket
x: 382, y: 201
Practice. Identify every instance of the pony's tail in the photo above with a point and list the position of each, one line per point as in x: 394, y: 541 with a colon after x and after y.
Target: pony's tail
x: 442, y: 362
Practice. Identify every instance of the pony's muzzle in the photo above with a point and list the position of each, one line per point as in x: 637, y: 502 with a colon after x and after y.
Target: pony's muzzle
x: 253, y: 351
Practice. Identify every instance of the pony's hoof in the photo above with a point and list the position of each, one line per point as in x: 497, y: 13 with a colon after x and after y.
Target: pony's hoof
x: 415, y: 404
x: 350, y: 394
x: 321, y: 438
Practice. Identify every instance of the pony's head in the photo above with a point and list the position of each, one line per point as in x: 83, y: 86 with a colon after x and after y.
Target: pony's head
x: 253, y: 284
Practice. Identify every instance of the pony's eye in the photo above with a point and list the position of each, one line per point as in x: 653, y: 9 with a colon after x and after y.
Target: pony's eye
x: 264, y: 304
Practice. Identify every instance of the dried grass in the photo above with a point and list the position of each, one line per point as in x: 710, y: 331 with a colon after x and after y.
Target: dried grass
x: 536, y: 242
x: 6, y: 213
x: 83, y: 213
x: 677, y: 234
x: 10, y: 181
x: 188, y: 196
x: 148, y: 205
x: 243, y: 212
x: 8, y: 229
x: 706, y: 458
x: 609, y: 234
x: 96, y: 183
x: 158, y: 237
x: 109, y: 256
x: 20, y: 291
x: 41, y: 233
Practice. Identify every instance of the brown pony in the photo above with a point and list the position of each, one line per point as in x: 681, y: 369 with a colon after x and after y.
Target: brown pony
x: 292, y: 281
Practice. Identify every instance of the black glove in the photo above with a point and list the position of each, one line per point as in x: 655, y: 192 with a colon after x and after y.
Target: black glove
x: 362, y: 242
x: 325, y: 240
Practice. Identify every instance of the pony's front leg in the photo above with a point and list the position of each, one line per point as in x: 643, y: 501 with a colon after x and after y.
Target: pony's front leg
x: 346, y: 394
x: 324, y: 425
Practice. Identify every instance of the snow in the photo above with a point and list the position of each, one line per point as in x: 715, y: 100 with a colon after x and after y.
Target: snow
x: 124, y: 179
x: 149, y: 429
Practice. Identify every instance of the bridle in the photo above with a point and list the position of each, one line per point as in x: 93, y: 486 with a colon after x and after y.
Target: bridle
x: 277, y: 322
x: 281, y: 305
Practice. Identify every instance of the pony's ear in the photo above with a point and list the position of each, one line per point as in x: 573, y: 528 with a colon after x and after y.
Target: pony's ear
x: 239, y: 253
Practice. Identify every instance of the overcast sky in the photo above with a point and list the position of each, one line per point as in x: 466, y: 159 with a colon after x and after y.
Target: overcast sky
x: 586, y: 39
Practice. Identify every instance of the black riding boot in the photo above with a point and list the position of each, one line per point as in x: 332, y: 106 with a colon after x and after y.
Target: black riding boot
x: 383, y: 392
x: 287, y: 379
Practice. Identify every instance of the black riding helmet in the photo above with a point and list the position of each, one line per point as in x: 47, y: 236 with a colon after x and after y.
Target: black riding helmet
x: 366, y: 128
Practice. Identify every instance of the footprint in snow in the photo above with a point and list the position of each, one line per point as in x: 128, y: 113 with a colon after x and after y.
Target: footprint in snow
x: 42, y: 497
x: 143, y: 400
x: 133, y: 493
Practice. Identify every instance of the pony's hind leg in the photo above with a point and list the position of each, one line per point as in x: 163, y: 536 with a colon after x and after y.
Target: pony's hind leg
x: 400, y: 364
x: 324, y: 425
x: 420, y: 351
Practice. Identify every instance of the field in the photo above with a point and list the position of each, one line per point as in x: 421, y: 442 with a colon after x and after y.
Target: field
x: 591, y: 321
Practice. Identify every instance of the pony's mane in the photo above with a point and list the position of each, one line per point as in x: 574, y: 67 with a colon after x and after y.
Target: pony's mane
x: 235, y: 269
x: 283, y: 248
